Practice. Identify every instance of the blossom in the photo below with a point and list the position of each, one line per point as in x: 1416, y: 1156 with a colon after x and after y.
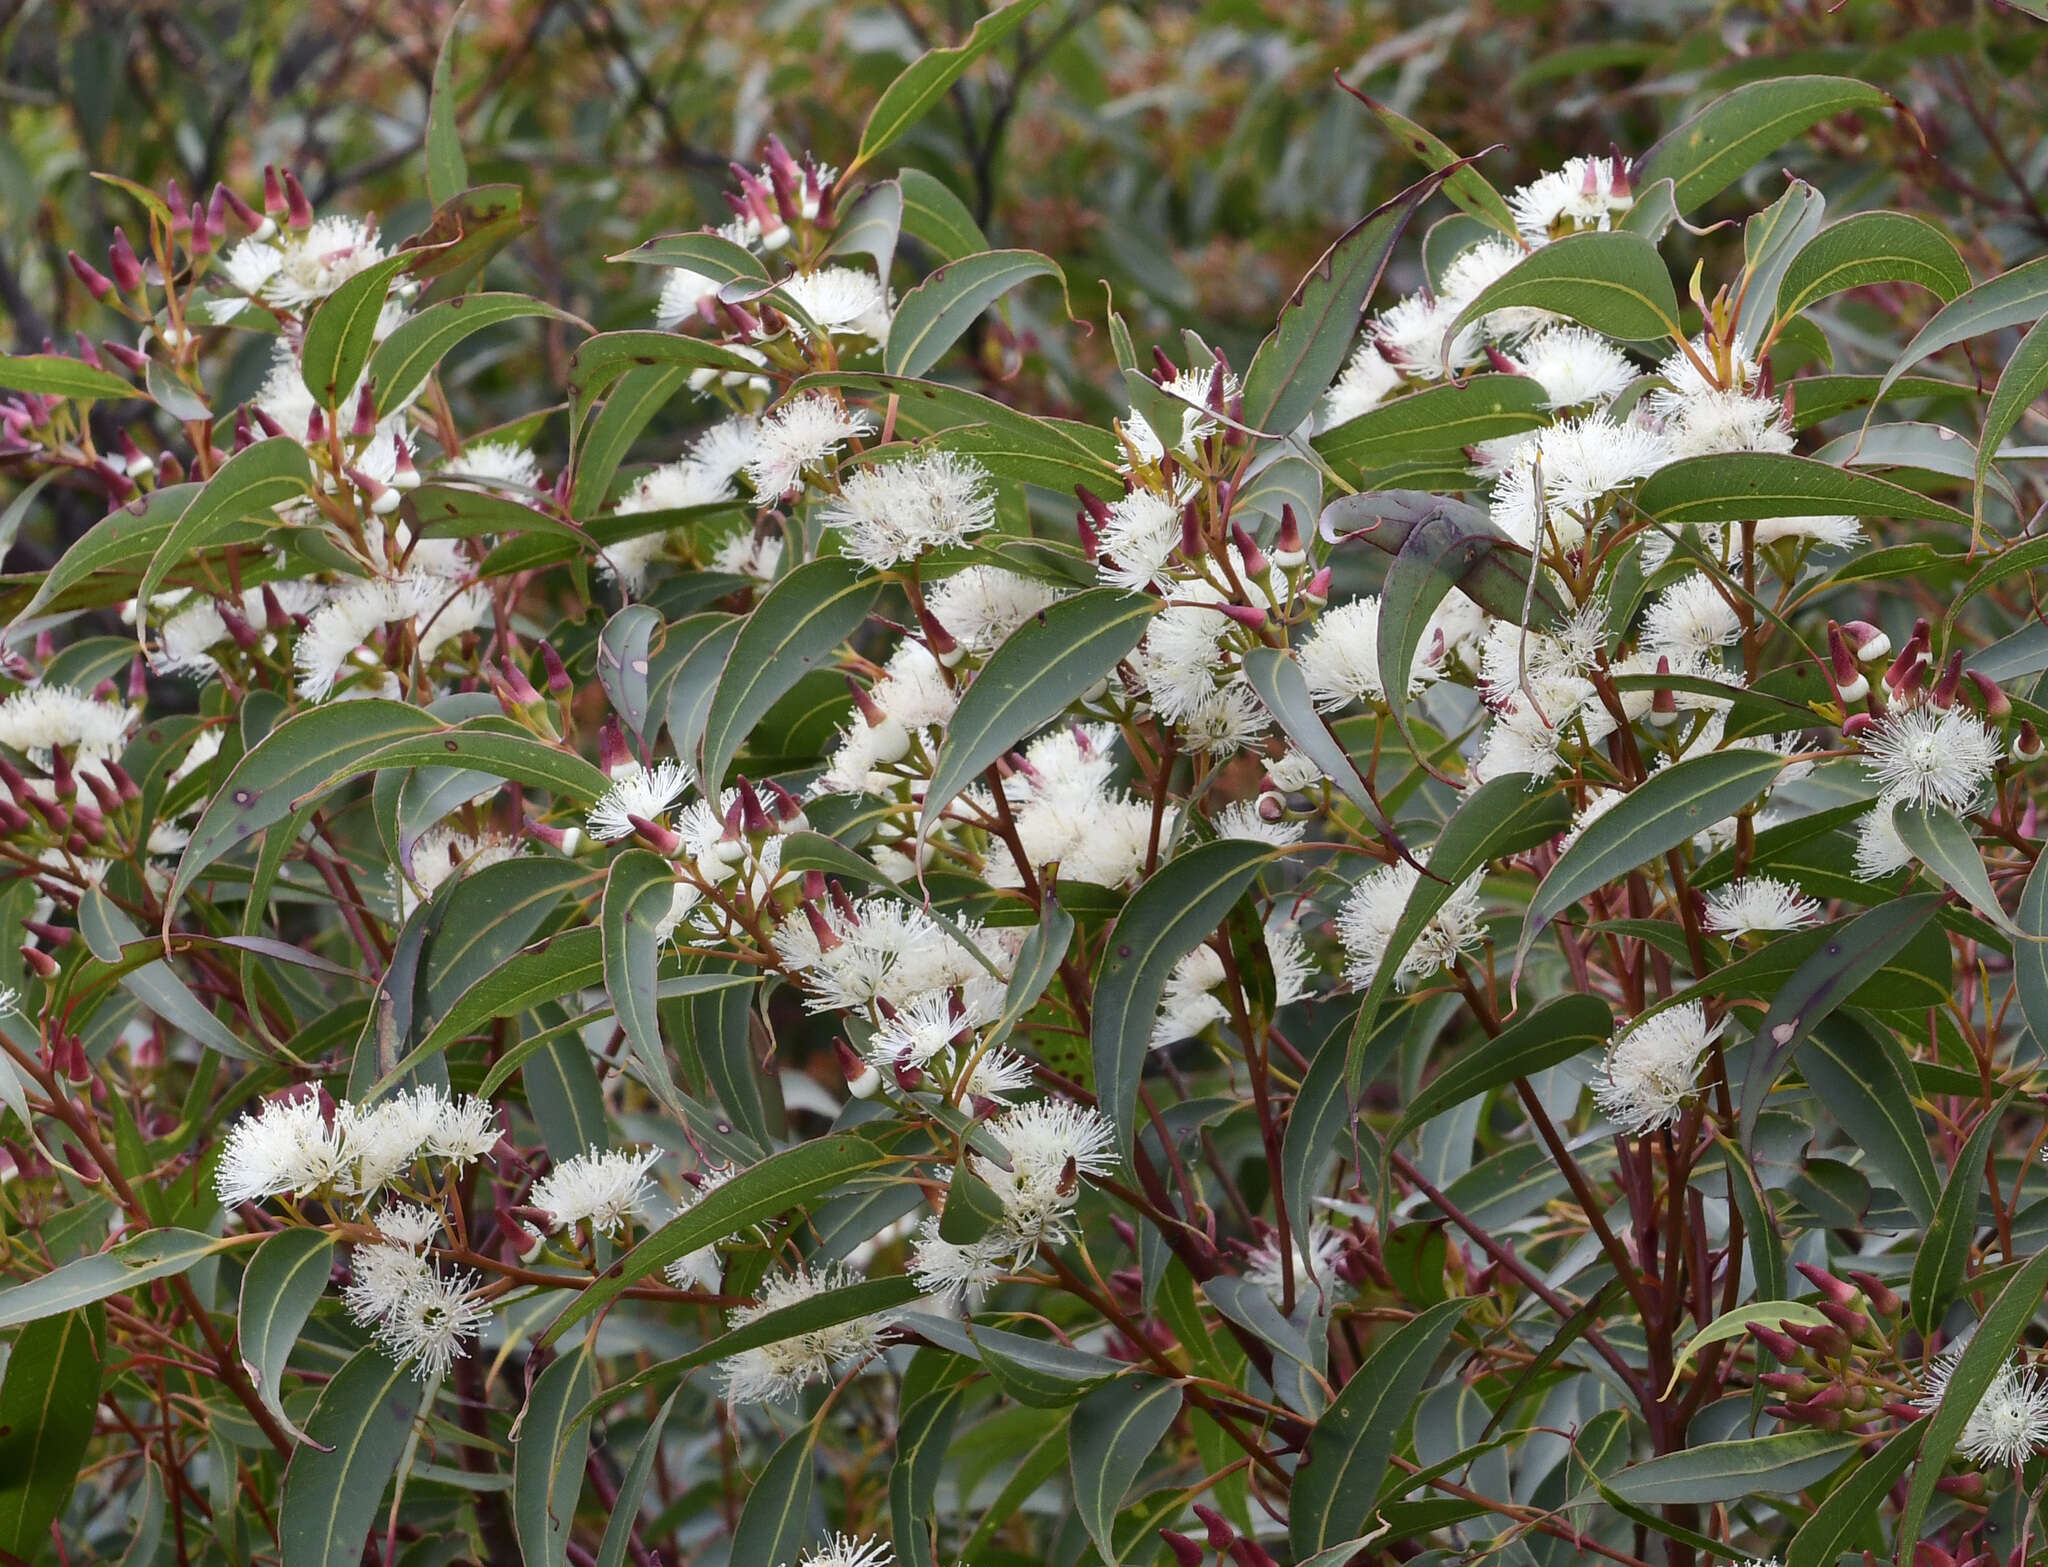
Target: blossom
x: 699, y: 1269
x: 606, y: 1186
x: 772, y: 1372
x: 636, y: 790
x: 379, y: 1278
x: 846, y: 1550
x: 803, y: 433
x: 1585, y: 193
x: 1314, y: 1274
x: 37, y: 719
x: 1653, y: 1067
x: 1049, y: 1143
x: 916, y: 1032
x: 1930, y: 756
x: 1142, y: 533
x: 962, y: 1271
x: 1186, y: 1007
x: 495, y: 463
x: 383, y: 1138
x: 408, y: 1223
x: 2010, y: 1423
x: 1879, y: 849
x: 442, y: 853
x: 1575, y: 366
x: 1372, y: 910
x: 1341, y: 657
x: 1364, y: 385
x: 894, y: 512
x: 981, y: 605
x: 1689, y: 618
x: 1242, y: 820
x: 1759, y: 904
x: 288, y: 1146
x: 1575, y: 464
x: 433, y: 1320
x: 842, y: 300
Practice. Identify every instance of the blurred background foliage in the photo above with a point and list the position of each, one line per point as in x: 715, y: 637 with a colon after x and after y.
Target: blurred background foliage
x: 1186, y: 160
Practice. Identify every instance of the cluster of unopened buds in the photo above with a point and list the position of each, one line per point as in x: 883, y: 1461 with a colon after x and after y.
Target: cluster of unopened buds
x: 1221, y: 1539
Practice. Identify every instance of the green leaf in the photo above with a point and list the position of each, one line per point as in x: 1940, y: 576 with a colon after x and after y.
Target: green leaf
x: 600, y: 361
x: 829, y: 1308
x: 1863, y: 1077
x: 1780, y: 1465
x: 1468, y: 189
x: 1709, y: 152
x: 1660, y: 814
x: 1443, y: 419
x: 629, y: 407
x: 2000, y: 1329
x: 569, y: 962
x: 1042, y: 668
x: 1548, y: 1037
x: 125, y: 538
x: 147, y: 1523
x: 1497, y: 576
x: 1826, y: 979
x: 1771, y: 241
x: 250, y: 485
x: 1115, y: 1429
x: 356, y: 1435
x: 1353, y: 1440
x: 1312, y: 337
x: 2030, y: 955
x: 1734, y: 1324
x: 1740, y: 486
x: 1179, y: 906
x: 1282, y: 687
x: 934, y: 215
x: 1944, y: 845
x: 321, y: 749
x: 53, y: 375
x: 418, y: 344
x: 447, y: 170
x: 798, y: 625
x: 775, y: 1521
x: 154, y: 1254
x: 637, y: 894
x: 871, y: 225
x: 924, y: 1430
x: 2020, y: 385
x: 1502, y: 816
x: 1872, y: 247
x: 924, y: 81
x: 618, y: 1532
x: 2012, y: 298
x: 284, y: 1281
x: 48, y: 1403
x: 343, y: 330
x: 1846, y: 1511
x: 1038, y: 960
x: 1943, y: 1255
x: 1613, y: 282
x: 547, y: 1458
x: 622, y: 663
x: 931, y: 317
x: 778, y: 1183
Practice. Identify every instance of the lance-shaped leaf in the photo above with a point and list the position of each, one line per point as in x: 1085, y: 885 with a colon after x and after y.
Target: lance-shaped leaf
x: 937, y: 217
x: 1657, y: 816
x: 778, y: 1183
x: 924, y: 1431
x: 2000, y: 1329
x: 924, y: 81
x: 1943, y: 1255
x: 702, y: 251
x: 1779, y: 1465
x: 618, y: 1533
x: 1706, y: 154
x: 1771, y: 240
x: 252, y: 484
x: 49, y: 1399
x: 871, y: 226
x: 1468, y: 189
x: 629, y: 407
x: 1872, y: 247
x: 1568, y: 1027
x: 637, y: 894
x: 334, y: 1483
x: 602, y: 360
x: 622, y: 663
x: 1280, y: 684
x: 1042, y: 668
x: 1944, y: 845
x: 931, y: 317
x: 139, y: 1260
x: 798, y: 625
x: 1353, y: 1440
x: 1503, y: 816
x: 547, y: 1458
x: 775, y: 1520
x: 1439, y: 419
x: 1312, y: 337
x: 1038, y: 960
x: 2020, y: 385
x: 1846, y: 1511
x: 2012, y: 298
x: 54, y: 375
x: 1115, y: 1429
x: 284, y: 1281
x: 1176, y: 909
x: 343, y: 330
x: 1496, y: 578
x: 2030, y: 954
x: 447, y: 169
x: 122, y: 541
x: 1748, y: 486
x: 1614, y: 282
x: 1822, y: 983
x: 404, y: 360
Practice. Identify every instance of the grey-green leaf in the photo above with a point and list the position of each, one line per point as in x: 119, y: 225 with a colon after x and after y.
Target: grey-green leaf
x: 1115, y: 1429
x: 1613, y: 282
x: 139, y: 1260
x: 931, y: 317
x: 1042, y: 668
x: 284, y: 1281
x: 1944, y: 1251
x: 332, y: 1490
x: 924, y: 81
x: 1872, y: 247
x: 548, y: 1456
x: 249, y: 485
x: 1717, y: 146
x: 1944, y: 845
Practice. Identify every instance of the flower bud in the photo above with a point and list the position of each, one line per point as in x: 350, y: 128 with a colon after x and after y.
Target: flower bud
x: 1849, y: 682
x: 1944, y: 694
x: 1856, y: 724
x: 862, y: 1080
x: 1288, y: 553
x: 1249, y: 1553
x: 202, y: 236
x: 1254, y: 558
x: 1247, y: 615
x: 1996, y: 703
x: 1185, y: 1552
x: 2026, y: 745
x: 273, y: 193
x: 1221, y: 1535
x: 298, y: 210
x: 39, y: 960
x: 660, y: 839
x: 121, y: 262
x: 128, y: 358
x: 96, y: 282
x: 1317, y: 590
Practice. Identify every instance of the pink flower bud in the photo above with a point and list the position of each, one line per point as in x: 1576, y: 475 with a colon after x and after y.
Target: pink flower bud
x: 299, y: 209
x: 121, y: 262
x: 274, y: 201
x: 97, y: 283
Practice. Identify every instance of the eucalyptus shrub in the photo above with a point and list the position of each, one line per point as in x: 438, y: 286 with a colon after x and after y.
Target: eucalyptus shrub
x: 1447, y: 966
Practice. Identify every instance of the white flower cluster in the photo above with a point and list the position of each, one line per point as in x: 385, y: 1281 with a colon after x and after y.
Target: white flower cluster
x: 302, y: 1146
